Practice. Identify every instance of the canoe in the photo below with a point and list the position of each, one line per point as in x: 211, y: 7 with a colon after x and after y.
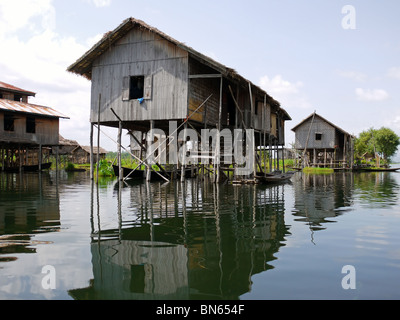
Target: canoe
x: 35, y: 167
x: 276, y: 177
x: 366, y: 169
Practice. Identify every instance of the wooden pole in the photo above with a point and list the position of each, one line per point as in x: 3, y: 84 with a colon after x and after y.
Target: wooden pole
x: 40, y: 157
x: 120, y: 170
x: 148, y: 170
x: 218, y: 155
x: 20, y: 158
x: 183, y: 164
x: 308, y: 137
x: 2, y: 158
x: 98, y: 137
x: 91, y: 152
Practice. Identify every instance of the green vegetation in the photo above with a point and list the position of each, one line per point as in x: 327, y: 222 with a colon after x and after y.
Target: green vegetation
x: 311, y: 170
x: 383, y: 142
x: 105, y: 169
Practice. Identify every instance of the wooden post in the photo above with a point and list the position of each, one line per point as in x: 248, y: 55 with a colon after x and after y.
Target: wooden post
x: 57, y: 149
x: 120, y: 170
x: 148, y: 169
x: 2, y: 158
x: 183, y: 164
x: 40, y: 157
x: 20, y: 158
x: 314, y: 157
x: 98, y: 137
x: 91, y: 152
x: 218, y: 155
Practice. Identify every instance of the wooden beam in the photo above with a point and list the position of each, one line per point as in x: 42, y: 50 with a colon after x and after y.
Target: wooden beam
x: 205, y: 76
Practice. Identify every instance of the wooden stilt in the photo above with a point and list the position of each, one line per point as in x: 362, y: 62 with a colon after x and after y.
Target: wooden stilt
x: 183, y: 164
x: 120, y: 170
x: 98, y: 138
x: 91, y: 152
x: 149, y: 142
x: 40, y: 157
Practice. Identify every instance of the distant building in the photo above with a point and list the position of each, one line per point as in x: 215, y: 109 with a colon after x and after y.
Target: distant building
x: 81, y: 154
x: 323, y: 144
x: 26, y: 130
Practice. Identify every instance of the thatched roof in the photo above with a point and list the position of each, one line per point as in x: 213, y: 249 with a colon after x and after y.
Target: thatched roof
x: 83, y: 66
x: 66, y: 142
x: 87, y: 149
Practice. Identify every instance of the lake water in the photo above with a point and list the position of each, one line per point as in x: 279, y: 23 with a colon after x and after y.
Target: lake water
x: 197, y: 240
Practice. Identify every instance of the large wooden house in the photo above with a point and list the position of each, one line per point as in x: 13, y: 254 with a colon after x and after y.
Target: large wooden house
x: 142, y: 78
x: 25, y: 129
x: 321, y: 143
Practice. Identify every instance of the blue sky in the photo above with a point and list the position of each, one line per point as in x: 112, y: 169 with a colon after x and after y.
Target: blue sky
x: 297, y: 50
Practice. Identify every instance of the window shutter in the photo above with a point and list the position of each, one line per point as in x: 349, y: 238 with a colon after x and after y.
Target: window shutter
x: 148, y: 84
x: 125, y: 88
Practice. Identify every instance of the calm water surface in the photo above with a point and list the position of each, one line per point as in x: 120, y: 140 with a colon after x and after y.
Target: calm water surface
x: 196, y: 240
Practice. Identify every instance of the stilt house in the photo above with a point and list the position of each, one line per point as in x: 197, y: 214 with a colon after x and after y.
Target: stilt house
x: 25, y: 128
x: 142, y: 78
x: 320, y: 143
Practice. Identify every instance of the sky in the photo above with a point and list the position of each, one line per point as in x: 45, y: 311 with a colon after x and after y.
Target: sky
x: 338, y: 58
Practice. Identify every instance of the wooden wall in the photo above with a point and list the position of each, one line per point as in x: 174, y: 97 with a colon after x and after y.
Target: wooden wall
x: 328, y: 139
x: 141, y: 53
x: 46, y: 130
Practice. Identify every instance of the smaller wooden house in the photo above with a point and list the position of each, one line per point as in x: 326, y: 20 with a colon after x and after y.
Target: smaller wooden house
x: 25, y: 129
x: 320, y: 143
x: 81, y: 154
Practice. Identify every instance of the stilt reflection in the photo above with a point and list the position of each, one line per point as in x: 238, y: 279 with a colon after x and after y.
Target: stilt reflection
x: 184, y: 240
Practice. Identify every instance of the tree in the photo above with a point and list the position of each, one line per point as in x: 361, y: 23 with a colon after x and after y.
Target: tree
x: 387, y: 142
x: 383, y: 141
x: 365, y: 143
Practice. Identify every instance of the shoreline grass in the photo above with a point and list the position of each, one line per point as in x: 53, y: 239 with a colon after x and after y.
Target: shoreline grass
x: 318, y: 170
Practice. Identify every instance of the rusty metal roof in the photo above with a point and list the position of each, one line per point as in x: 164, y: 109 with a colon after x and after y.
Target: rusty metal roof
x: 8, y: 87
x: 16, y: 106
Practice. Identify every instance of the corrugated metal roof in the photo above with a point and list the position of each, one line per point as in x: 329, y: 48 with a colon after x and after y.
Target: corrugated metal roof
x: 9, y: 87
x: 17, y: 106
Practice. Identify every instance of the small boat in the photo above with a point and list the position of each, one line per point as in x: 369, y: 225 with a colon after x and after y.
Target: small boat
x: 370, y: 169
x: 276, y: 177
x: 35, y: 167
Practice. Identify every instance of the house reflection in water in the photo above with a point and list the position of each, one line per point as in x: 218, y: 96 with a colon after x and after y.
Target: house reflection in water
x: 318, y: 198
x: 29, y: 204
x: 187, y: 241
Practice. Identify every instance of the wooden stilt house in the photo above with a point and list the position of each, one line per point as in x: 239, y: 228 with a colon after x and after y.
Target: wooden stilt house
x: 27, y: 131
x: 142, y: 79
x: 320, y: 143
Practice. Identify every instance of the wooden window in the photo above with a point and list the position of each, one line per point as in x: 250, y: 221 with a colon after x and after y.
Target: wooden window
x: 137, y: 87
x: 318, y: 136
x: 8, y: 122
x: 30, y: 125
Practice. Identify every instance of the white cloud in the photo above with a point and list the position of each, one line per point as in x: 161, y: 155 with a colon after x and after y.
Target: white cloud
x: 15, y: 15
x: 287, y: 93
x: 36, y: 59
x: 354, y: 75
x: 371, y: 95
x: 394, y: 72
